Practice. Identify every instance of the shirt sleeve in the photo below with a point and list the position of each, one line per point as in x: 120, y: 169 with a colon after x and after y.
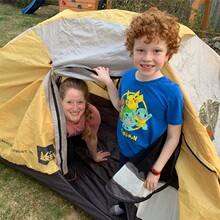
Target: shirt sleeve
x: 95, y: 119
x: 175, y: 107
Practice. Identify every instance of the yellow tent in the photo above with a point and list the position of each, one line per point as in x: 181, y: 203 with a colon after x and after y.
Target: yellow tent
x: 32, y: 134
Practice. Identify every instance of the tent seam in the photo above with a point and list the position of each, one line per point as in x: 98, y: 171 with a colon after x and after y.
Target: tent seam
x: 196, y: 155
x: 59, y: 127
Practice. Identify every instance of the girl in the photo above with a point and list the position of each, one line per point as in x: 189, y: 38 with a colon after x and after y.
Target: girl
x: 82, y: 118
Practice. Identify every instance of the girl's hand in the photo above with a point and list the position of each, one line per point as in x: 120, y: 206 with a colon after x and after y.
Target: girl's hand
x: 102, y: 74
x: 101, y: 156
x: 151, y: 181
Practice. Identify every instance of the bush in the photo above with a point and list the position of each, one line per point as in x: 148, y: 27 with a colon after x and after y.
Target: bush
x: 179, y: 8
x: 18, y: 3
x: 22, y: 3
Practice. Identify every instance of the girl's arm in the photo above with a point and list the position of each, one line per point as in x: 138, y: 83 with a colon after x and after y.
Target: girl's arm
x: 104, y: 76
x: 90, y: 135
x: 172, y: 140
x: 91, y: 142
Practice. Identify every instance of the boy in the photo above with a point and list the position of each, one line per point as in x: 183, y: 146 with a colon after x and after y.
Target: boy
x: 149, y: 103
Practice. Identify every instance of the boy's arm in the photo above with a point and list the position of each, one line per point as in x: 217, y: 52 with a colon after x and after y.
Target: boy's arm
x: 104, y: 76
x: 172, y: 140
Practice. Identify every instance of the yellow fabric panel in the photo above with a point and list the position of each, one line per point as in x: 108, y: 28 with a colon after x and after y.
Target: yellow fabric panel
x: 34, y: 140
x: 99, y: 88
x: 199, y: 189
x: 25, y: 59
x: 185, y: 31
x: 199, y: 192
x: 25, y: 120
x: 195, y: 133
x: 12, y: 113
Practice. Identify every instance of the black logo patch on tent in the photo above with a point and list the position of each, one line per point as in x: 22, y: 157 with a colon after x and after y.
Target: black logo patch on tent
x: 45, y: 154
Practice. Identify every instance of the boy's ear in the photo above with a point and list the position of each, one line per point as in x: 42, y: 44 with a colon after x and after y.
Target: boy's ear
x: 168, y: 57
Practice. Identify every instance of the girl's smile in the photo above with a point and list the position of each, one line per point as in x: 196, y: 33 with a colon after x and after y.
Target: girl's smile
x: 74, y: 105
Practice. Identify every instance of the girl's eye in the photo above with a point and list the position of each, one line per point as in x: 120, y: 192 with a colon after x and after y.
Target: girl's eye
x: 158, y: 51
x: 81, y: 102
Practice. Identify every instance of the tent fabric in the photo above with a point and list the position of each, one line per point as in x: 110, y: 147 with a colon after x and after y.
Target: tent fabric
x: 32, y: 125
x: 127, y: 184
x: 167, y: 200
x: 205, y: 89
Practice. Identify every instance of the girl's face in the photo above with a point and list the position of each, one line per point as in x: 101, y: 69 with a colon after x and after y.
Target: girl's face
x: 149, y: 58
x: 74, y: 105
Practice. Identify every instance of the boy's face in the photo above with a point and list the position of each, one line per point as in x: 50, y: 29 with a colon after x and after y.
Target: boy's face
x: 149, y: 58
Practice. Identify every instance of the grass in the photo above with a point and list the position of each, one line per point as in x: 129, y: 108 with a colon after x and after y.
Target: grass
x: 21, y: 197
x: 13, y: 22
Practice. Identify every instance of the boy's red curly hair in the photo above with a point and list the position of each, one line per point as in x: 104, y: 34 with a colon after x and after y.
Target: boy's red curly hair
x: 154, y: 24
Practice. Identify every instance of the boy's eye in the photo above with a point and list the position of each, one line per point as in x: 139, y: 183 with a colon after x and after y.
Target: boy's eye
x: 158, y: 51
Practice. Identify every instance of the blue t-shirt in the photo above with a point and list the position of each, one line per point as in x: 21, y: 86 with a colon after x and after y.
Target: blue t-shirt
x: 147, y: 107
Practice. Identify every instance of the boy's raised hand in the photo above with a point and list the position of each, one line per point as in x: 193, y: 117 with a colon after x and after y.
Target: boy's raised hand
x: 102, y: 74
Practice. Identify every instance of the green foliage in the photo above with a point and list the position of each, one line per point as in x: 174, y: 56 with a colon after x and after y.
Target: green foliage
x: 18, y: 3
x: 213, y: 27
x: 179, y: 8
x: 22, y: 3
